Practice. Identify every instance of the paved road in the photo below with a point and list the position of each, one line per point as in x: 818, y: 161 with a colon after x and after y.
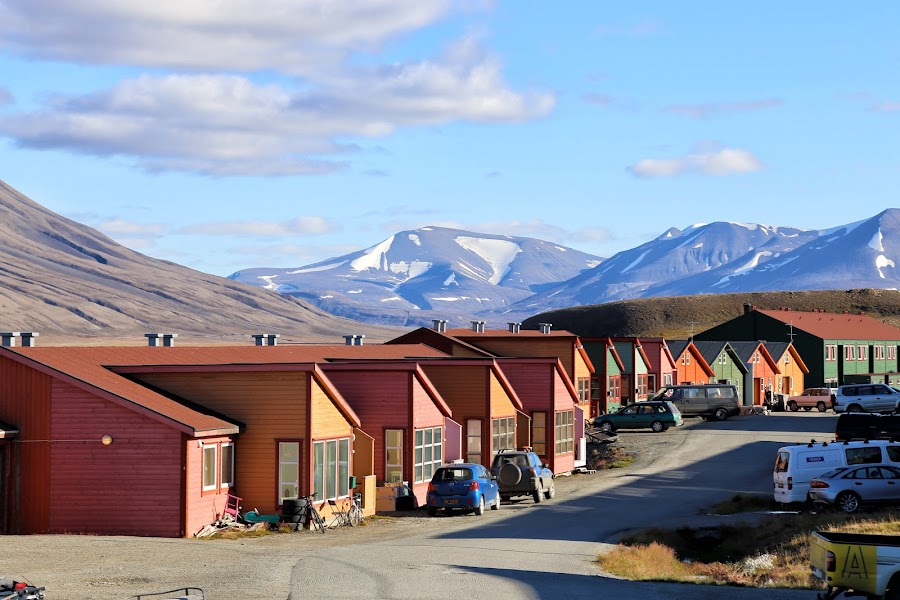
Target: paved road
x: 528, y: 551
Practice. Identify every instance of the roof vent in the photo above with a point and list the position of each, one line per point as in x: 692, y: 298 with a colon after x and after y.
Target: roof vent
x: 160, y: 339
x: 439, y: 325
x: 748, y: 308
x: 11, y: 338
x: 545, y: 327
x: 478, y: 326
x: 266, y: 339
x: 354, y: 340
x: 514, y: 327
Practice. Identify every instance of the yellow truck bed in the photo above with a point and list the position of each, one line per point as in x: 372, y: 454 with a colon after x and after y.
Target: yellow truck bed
x: 856, y: 563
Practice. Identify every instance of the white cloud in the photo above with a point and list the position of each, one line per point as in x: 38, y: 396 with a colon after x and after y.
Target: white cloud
x: 726, y: 161
x: 228, y: 125
x: 295, y: 36
x: 702, y: 111
x: 298, y: 226
x: 123, y: 227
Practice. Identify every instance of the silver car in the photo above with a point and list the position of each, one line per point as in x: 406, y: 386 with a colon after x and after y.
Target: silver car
x: 848, y: 487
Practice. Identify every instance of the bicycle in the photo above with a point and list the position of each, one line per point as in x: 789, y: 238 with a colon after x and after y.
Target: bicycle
x: 315, y: 520
x: 355, y: 513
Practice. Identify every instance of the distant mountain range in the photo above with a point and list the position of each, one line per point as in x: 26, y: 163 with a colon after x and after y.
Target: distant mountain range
x: 65, y: 281
x: 433, y: 272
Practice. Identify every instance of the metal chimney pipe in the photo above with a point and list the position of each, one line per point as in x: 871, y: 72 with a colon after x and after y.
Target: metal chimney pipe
x: 545, y: 327
x: 8, y: 339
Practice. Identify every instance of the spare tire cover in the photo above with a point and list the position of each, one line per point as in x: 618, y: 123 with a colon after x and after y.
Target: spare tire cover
x: 510, y: 474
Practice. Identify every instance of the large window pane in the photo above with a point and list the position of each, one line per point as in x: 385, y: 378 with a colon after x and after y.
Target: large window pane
x: 209, y: 467
x: 227, y: 470
x: 343, y: 467
x: 319, y: 471
x: 393, y: 462
x: 288, y: 470
x: 330, y: 469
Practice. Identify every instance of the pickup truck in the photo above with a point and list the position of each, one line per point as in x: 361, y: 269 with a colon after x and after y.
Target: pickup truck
x: 818, y: 398
x: 856, y: 564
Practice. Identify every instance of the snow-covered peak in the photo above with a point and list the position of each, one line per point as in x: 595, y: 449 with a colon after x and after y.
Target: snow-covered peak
x: 497, y: 253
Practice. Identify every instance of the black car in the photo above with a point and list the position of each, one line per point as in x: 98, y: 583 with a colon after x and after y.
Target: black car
x: 867, y: 426
x: 710, y: 401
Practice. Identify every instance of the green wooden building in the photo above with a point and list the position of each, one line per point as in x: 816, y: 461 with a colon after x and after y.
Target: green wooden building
x: 725, y: 362
x: 606, y: 387
x: 834, y: 346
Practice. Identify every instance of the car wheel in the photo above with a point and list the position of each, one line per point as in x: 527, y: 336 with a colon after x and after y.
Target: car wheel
x: 504, y: 498
x: 792, y: 406
x: 607, y: 427
x: 432, y: 511
x: 479, y: 510
x: 721, y: 414
x: 847, y: 502
x: 657, y: 426
x: 538, y: 493
x: 496, y: 504
x: 854, y: 408
x: 551, y: 491
x: 821, y: 406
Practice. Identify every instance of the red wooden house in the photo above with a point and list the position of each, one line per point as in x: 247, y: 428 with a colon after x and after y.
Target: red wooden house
x: 483, y: 401
x: 636, y: 367
x: 692, y: 367
x: 402, y: 411
x: 551, y: 401
x: 662, y: 369
x: 606, y: 391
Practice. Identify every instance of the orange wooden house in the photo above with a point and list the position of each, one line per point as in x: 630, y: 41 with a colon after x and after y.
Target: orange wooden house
x: 792, y: 377
x: 692, y: 366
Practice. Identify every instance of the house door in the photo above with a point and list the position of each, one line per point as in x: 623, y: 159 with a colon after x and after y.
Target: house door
x: 4, y: 478
x: 627, y: 391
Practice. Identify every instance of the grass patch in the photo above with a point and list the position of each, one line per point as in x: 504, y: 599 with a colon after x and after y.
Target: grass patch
x: 773, y: 552
x: 608, y: 456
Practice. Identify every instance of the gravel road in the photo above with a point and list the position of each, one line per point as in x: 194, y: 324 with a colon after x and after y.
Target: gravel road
x: 100, y: 567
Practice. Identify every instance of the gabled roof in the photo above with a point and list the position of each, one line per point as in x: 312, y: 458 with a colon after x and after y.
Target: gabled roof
x: 610, y: 347
x: 778, y: 350
x: 679, y: 347
x: 746, y: 350
x: 835, y: 326
x: 101, y: 369
x: 490, y: 363
x: 472, y: 337
x: 557, y: 364
x: 710, y: 351
x: 437, y: 340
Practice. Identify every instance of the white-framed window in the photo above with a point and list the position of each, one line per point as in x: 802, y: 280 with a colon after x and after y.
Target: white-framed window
x: 393, y: 455
x: 539, y: 432
x: 686, y: 358
x: 879, y: 352
x: 584, y: 389
x: 756, y: 357
x: 565, y: 431
x: 331, y: 469
x: 226, y: 471
x: 723, y: 360
x: 667, y: 379
x: 209, y: 467
x: 849, y: 352
x: 473, y: 441
x: 830, y: 352
x: 787, y: 358
x: 289, y: 470
x: 429, y: 451
x: 863, y: 353
x: 891, y: 352
x: 503, y: 434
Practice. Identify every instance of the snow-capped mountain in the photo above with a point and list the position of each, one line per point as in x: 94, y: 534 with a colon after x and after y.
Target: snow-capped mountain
x: 416, y: 276
x: 428, y: 273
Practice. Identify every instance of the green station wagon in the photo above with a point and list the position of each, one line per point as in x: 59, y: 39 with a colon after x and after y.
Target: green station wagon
x: 654, y: 414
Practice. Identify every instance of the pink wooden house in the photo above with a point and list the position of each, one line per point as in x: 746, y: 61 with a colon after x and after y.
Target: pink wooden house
x: 662, y: 369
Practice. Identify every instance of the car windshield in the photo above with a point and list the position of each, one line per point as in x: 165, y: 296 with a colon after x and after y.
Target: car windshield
x: 464, y: 474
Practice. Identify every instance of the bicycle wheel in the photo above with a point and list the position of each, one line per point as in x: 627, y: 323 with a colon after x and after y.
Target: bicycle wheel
x: 316, y: 521
x: 355, y: 515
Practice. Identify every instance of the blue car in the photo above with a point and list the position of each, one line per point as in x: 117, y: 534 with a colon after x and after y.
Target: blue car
x: 463, y: 486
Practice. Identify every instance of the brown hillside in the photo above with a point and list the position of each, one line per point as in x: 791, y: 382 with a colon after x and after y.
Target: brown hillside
x: 677, y: 316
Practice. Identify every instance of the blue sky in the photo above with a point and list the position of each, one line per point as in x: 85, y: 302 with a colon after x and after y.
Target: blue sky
x: 227, y: 134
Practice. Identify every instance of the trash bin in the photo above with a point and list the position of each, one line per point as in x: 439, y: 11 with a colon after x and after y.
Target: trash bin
x: 353, y: 482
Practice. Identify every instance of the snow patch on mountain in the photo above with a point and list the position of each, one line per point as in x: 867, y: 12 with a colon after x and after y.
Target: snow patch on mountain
x: 451, y: 280
x: 411, y: 269
x: 415, y: 239
x: 374, y: 257
x: 327, y: 267
x: 635, y: 263
x: 881, y: 262
x: 497, y: 253
x: 876, y: 242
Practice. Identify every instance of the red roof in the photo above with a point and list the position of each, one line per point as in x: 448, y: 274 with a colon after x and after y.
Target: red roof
x: 469, y: 333
x: 96, y: 367
x: 836, y: 326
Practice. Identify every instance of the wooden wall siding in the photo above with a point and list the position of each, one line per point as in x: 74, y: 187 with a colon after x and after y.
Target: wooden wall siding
x: 562, y: 400
x: 691, y: 373
x: 563, y: 463
x: 202, y: 508
x: 458, y: 350
x: 25, y: 403
x: 532, y: 384
x: 626, y: 353
x: 501, y: 403
x: 792, y: 370
x: 535, y: 347
x: 131, y: 487
x: 464, y: 388
x: 273, y: 406
x: 381, y: 400
x: 327, y: 420
x: 425, y: 412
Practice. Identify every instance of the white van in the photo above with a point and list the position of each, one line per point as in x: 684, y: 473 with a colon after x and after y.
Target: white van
x: 796, y: 466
